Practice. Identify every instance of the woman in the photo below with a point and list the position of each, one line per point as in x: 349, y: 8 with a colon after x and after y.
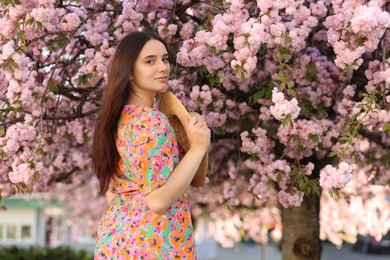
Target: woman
x: 136, y: 157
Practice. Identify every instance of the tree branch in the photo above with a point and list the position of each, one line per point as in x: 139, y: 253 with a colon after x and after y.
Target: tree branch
x: 69, y: 117
x: 373, y: 137
x: 63, y: 176
x: 16, y: 120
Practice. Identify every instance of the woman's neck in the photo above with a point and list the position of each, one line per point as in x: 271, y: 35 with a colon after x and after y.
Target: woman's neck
x: 139, y: 99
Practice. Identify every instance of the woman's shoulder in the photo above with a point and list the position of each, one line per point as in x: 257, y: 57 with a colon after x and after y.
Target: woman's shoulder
x: 143, y: 115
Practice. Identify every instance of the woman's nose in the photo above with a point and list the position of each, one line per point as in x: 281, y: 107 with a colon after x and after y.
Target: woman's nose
x: 162, y: 66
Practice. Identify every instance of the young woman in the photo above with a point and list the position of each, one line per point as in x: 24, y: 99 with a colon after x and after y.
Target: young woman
x: 135, y: 156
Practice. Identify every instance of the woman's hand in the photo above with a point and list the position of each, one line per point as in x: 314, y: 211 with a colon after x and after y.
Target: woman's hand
x: 198, y: 134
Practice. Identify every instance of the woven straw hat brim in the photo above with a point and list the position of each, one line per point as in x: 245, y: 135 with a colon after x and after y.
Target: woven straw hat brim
x: 177, y: 115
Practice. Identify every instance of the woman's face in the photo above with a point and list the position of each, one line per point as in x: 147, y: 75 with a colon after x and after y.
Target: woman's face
x: 151, y: 69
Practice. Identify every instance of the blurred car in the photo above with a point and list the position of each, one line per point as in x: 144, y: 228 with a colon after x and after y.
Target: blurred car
x: 368, y: 244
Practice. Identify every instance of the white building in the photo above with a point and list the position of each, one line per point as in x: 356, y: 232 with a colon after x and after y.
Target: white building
x: 34, y: 220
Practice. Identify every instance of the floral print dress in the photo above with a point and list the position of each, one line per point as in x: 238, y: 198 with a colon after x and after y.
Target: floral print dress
x: 148, y: 153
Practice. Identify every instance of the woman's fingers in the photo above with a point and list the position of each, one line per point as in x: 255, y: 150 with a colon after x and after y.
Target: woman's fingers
x: 198, y: 133
x: 192, y: 121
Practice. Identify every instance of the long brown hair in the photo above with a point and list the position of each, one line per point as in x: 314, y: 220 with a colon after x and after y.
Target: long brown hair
x: 105, y: 156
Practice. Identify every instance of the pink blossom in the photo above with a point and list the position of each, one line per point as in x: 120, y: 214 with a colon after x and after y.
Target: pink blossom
x: 365, y: 19
x: 309, y: 168
x: 277, y: 29
x: 21, y: 173
x: 290, y: 198
x: 6, y: 50
x: 187, y: 30
x: 282, y: 107
x: 318, y: 9
x: 72, y: 21
x: 331, y: 177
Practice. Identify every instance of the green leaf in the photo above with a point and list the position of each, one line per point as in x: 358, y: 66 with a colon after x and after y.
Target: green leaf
x: 385, y: 160
x: 263, y: 49
x: 314, y: 138
x: 3, y: 154
x: 252, y: 101
x: 334, y: 192
x: 294, y: 171
x: 288, y: 67
x: 53, y: 86
x: 347, y: 68
x: 316, y: 189
x: 332, y: 154
x: 386, y: 128
x: 255, y: 157
x: 307, y: 107
x: 83, y: 79
x: 86, y: 139
x: 13, y: 64
x: 292, y: 92
x: 40, y: 26
x: 30, y: 21
x: 31, y: 163
x: 344, y: 138
x: 283, y: 85
x: 214, y: 80
x: 303, y: 183
x: 36, y: 176
x: 281, y: 76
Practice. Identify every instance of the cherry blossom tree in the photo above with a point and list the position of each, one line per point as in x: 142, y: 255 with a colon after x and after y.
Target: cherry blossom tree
x: 297, y: 94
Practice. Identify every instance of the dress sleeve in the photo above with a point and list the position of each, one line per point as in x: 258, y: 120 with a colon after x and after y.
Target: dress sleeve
x: 150, y: 150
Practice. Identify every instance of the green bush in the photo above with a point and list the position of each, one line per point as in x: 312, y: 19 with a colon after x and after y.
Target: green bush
x: 41, y: 253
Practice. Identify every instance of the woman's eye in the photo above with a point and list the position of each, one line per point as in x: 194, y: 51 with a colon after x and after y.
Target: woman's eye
x: 150, y: 61
x: 166, y: 60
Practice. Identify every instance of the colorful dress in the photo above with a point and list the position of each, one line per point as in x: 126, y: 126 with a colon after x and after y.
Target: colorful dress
x: 149, y: 152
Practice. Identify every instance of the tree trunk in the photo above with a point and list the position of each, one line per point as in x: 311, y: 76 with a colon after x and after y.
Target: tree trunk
x: 301, y: 230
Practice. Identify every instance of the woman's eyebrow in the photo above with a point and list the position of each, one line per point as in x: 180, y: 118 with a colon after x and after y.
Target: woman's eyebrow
x: 154, y: 56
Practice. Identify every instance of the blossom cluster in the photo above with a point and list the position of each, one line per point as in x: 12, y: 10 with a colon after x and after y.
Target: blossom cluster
x: 361, y: 209
x: 282, y: 107
x: 355, y: 29
x: 332, y: 177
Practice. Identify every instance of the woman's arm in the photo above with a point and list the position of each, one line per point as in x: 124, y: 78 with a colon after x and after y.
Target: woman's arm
x: 180, y: 179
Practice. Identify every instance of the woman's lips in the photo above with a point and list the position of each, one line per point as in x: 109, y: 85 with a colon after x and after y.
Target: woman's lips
x: 162, y: 78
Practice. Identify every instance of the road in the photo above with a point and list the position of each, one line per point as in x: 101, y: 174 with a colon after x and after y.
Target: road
x: 245, y: 252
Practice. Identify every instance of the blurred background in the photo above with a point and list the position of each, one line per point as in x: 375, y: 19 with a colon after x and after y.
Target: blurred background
x: 35, y: 227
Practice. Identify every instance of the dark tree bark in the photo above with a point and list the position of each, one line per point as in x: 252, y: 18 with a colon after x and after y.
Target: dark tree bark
x: 301, y: 230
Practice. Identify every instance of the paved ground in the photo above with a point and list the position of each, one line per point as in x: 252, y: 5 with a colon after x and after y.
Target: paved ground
x: 244, y: 252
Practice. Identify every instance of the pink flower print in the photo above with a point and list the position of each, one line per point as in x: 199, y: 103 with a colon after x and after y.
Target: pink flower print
x: 112, y: 231
x: 153, y: 178
x: 161, y: 178
x: 136, y: 162
x: 179, y: 217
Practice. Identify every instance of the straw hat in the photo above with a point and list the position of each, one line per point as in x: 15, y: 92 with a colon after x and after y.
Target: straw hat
x: 177, y: 115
